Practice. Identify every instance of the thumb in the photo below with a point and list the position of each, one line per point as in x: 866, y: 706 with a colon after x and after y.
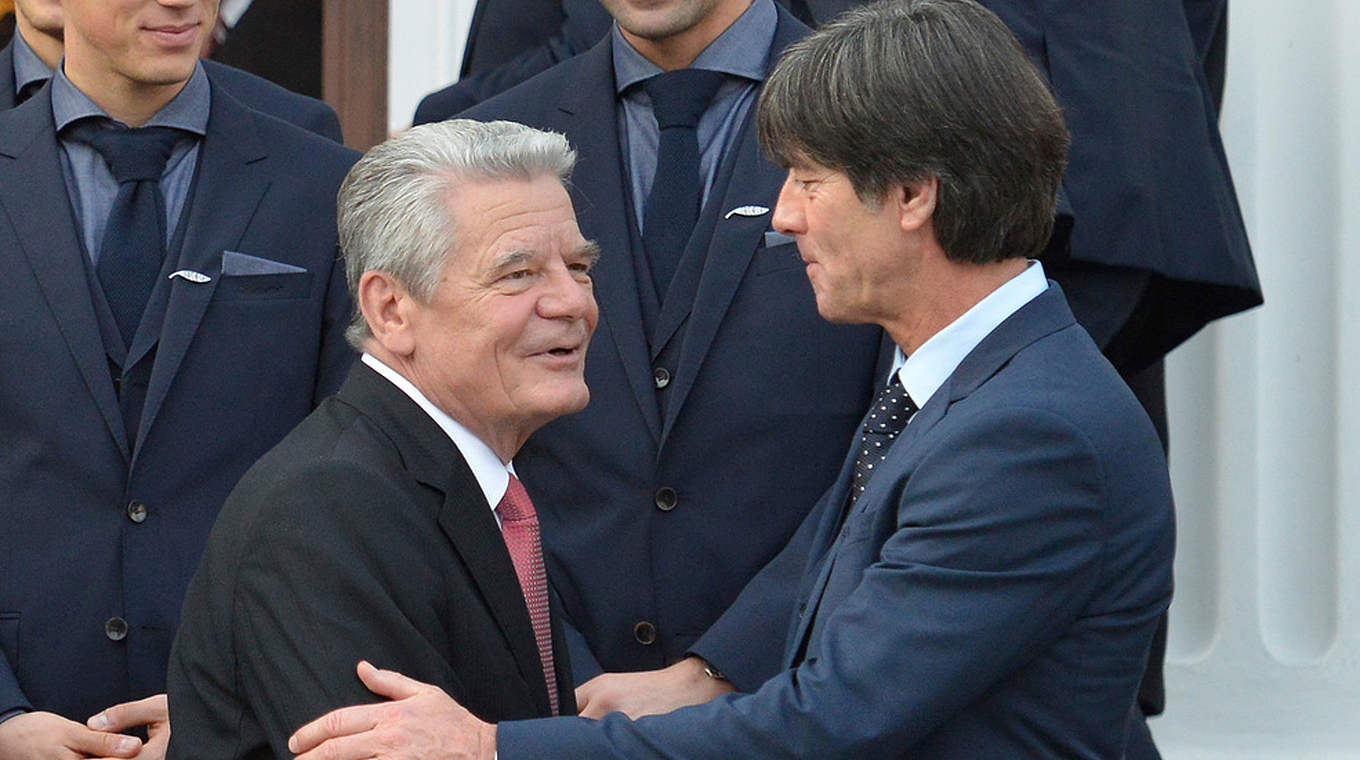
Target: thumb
x: 389, y: 683
x: 128, y: 714
x: 100, y: 744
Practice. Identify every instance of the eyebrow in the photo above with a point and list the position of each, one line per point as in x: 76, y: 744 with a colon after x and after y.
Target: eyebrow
x: 590, y: 251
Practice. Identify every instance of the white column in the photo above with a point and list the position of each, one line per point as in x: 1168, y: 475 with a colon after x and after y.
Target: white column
x: 1264, y: 656
x: 425, y: 50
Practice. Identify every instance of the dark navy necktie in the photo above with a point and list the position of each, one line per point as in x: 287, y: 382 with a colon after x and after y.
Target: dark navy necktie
x: 679, y: 98
x: 887, y: 418
x: 133, y: 248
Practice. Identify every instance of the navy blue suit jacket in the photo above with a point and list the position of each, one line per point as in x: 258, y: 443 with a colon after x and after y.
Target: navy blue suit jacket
x: 654, y: 522
x: 255, y: 92
x: 239, y: 361
x: 992, y: 593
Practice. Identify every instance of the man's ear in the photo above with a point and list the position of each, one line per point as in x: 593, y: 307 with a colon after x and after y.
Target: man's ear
x: 916, y: 202
x: 386, y: 307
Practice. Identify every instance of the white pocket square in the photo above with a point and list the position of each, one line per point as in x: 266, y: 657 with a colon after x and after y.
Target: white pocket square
x: 236, y: 264
x: 773, y: 239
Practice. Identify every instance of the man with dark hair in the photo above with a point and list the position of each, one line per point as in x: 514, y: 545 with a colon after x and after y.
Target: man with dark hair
x: 720, y: 402
x: 28, y: 60
x: 174, y: 308
x: 984, y: 577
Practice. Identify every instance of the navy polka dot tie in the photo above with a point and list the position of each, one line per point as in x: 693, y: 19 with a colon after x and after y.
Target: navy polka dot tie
x: 887, y: 417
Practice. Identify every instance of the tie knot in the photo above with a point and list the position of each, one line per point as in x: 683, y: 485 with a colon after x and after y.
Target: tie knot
x: 133, y: 154
x: 891, y: 409
x: 680, y: 97
x: 515, y: 504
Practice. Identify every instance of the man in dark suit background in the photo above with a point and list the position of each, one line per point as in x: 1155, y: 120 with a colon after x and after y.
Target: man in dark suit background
x: 721, y: 403
x: 984, y: 577
x: 27, y: 61
x: 369, y: 531
x: 129, y: 416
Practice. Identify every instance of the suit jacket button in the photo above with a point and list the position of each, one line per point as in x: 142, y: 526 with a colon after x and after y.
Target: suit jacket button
x: 645, y: 633
x: 661, y: 377
x: 136, y: 511
x: 116, y: 628
x: 666, y: 498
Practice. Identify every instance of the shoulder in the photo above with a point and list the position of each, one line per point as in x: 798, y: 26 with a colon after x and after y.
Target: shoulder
x: 539, y: 98
x: 337, y: 474
x: 263, y: 95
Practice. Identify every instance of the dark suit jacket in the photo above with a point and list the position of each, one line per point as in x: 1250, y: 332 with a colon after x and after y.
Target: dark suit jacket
x: 656, y: 519
x: 362, y: 535
x: 100, y: 530
x: 991, y: 594
x: 260, y: 94
x: 1147, y: 177
x: 1158, y: 248
x: 279, y: 40
x: 509, y: 42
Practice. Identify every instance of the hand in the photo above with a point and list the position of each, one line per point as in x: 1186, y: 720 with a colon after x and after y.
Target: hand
x: 151, y: 712
x: 47, y: 736
x: 650, y: 692
x: 423, y: 723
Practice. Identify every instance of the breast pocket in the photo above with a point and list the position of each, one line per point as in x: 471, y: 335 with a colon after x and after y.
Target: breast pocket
x: 778, y: 254
x: 264, y: 286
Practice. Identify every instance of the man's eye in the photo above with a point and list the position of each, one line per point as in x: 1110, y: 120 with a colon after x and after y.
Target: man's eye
x: 518, y: 274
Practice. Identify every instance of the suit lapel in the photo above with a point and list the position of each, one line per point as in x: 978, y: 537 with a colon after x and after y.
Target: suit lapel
x: 725, y: 244
x: 34, y: 197
x: 466, y: 519
x: 463, y: 516
x: 600, y: 196
x: 226, y: 195
x: 1046, y: 314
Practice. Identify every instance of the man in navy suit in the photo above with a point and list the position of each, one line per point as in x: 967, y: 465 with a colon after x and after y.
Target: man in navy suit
x: 27, y: 62
x: 984, y: 577
x: 124, y: 436
x: 720, y: 407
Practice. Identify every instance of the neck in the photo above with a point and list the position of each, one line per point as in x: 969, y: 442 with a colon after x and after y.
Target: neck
x: 679, y: 50
x: 47, y: 46
x: 133, y: 103
x: 944, y: 294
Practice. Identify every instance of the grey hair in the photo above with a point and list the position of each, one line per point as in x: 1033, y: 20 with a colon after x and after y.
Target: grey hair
x: 393, y: 207
x: 903, y: 91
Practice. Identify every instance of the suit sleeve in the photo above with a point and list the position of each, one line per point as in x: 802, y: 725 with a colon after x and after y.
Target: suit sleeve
x: 747, y: 642
x: 336, y: 356
x: 994, y: 553
x: 326, y: 584
x: 11, y: 696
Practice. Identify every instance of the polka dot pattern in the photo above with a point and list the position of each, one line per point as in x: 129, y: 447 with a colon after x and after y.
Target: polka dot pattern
x: 887, y: 418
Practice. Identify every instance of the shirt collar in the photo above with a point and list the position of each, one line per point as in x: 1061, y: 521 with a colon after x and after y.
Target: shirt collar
x: 188, y: 110
x: 28, y: 67
x: 742, y: 49
x: 492, y: 475
x: 929, y: 366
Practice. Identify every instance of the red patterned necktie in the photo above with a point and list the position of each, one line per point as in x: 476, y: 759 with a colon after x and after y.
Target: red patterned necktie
x: 519, y: 525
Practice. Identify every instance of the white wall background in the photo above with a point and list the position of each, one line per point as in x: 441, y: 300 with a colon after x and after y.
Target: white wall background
x: 1264, y: 657
x: 1265, y: 419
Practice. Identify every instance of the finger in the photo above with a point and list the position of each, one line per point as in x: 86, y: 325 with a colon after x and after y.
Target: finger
x: 389, y: 683
x: 355, y: 747
x: 128, y: 714
x: 100, y: 744
x: 336, y: 723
